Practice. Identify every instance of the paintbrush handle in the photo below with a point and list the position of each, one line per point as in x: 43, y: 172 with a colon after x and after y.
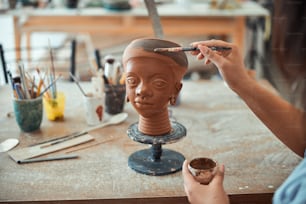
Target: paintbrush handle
x: 63, y: 140
x: 23, y: 81
x: 184, y: 49
x: 61, y: 157
x: 215, y: 48
x: 189, y: 49
x: 218, y: 48
x: 77, y: 83
x: 58, y: 138
x: 46, y: 89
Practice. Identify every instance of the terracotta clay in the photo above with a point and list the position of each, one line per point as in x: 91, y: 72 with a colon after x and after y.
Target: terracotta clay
x: 153, y: 79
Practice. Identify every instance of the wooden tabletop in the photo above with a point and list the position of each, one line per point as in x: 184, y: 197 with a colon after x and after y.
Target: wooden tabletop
x: 219, y: 125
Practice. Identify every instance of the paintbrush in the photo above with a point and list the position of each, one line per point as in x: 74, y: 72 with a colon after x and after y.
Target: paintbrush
x: 51, y: 84
x: 78, y: 84
x: 63, y: 139
x: 70, y: 135
x: 60, y: 157
x: 23, y: 81
x: 53, y: 88
x: 184, y: 49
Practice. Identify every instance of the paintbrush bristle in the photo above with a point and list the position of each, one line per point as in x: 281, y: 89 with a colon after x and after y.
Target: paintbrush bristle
x: 160, y: 49
x: 168, y: 49
x: 175, y: 49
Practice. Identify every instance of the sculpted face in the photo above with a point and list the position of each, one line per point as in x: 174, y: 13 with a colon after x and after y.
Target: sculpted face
x: 152, y: 81
x: 150, y: 91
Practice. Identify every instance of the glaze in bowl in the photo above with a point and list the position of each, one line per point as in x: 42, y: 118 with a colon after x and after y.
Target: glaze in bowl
x: 203, y: 169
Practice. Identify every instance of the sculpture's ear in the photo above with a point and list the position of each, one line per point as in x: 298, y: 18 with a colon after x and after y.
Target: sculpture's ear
x: 172, y: 98
x: 178, y: 87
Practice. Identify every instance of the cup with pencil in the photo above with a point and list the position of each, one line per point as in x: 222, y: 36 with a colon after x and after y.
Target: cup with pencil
x: 55, y: 106
x: 54, y: 100
x: 114, y: 87
x: 27, y: 100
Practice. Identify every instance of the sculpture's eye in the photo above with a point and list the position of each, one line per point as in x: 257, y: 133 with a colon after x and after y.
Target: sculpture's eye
x: 132, y: 81
x: 159, y: 83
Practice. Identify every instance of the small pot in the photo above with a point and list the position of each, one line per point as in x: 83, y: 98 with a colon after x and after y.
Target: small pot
x: 203, y: 169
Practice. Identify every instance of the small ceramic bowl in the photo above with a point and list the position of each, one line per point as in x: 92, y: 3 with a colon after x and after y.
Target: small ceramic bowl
x: 203, y: 169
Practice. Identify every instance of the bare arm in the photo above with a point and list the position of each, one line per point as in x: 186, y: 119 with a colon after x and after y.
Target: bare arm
x: 283, y: 119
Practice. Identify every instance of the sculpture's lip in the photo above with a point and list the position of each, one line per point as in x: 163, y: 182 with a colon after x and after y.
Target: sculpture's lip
x: 141, y: 103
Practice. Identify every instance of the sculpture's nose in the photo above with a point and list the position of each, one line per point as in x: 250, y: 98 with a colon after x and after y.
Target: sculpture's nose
x: 143, y: 90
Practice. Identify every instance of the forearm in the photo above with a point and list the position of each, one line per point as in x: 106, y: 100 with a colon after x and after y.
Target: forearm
x: 284, y: 120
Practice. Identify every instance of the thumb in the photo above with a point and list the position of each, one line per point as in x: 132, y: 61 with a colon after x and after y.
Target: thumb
x: 211, y: 55
x: 219, y: 177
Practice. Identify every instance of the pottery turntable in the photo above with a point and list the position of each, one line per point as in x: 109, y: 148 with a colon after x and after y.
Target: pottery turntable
x: 155, y: 160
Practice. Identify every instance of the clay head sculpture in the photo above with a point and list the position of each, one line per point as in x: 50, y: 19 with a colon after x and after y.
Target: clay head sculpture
x: 153, y: 80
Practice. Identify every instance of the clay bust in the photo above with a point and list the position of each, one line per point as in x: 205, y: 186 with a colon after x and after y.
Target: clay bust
x: 153, y: 79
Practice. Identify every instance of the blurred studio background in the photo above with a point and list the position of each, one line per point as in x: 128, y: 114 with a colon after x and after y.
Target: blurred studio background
x: 79, y: 29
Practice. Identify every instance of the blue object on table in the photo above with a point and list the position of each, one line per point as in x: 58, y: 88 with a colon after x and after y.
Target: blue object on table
x: 28, y: 113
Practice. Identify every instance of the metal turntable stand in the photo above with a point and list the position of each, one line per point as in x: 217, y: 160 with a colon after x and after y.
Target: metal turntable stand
x: 156, y: 161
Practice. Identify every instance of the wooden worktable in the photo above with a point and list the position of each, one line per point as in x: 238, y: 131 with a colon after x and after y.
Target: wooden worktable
x: 219, y: 125
x: 197, y: 19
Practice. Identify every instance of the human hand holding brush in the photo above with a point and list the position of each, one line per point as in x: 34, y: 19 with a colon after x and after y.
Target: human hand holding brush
x: 230, y: 63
